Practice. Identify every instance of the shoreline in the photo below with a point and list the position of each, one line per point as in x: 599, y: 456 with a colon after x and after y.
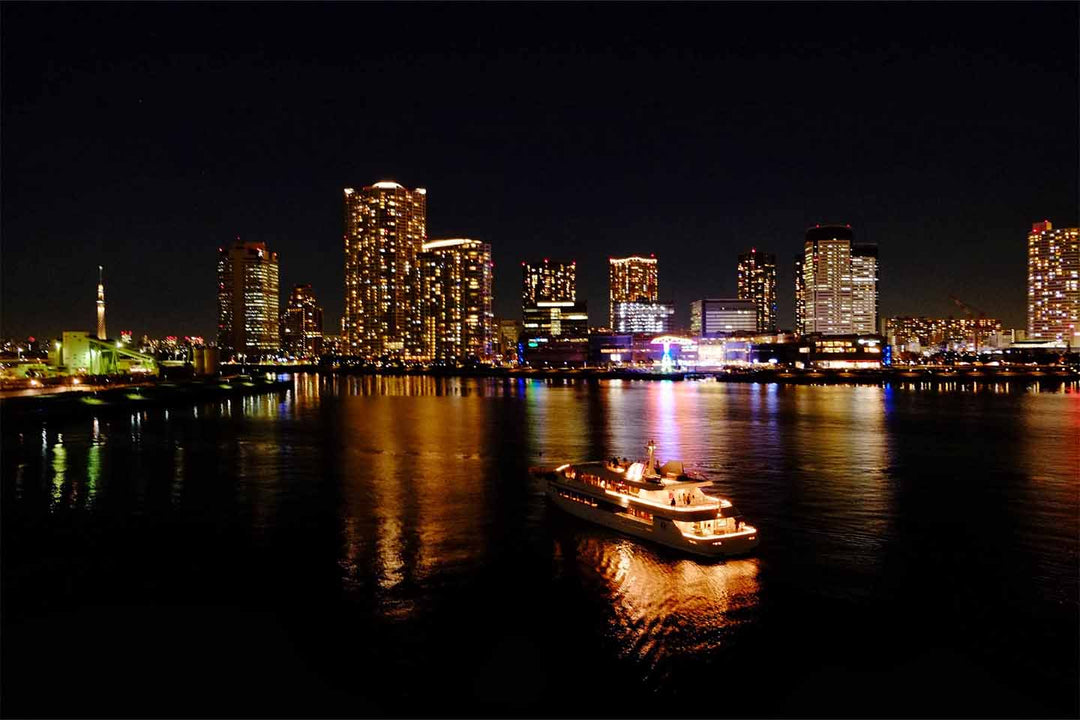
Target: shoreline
x: 126, y: 397
x: 935, y: 375
x: 167, y: 393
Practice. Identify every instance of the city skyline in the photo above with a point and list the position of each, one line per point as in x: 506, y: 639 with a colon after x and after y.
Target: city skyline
x: 695, y: 183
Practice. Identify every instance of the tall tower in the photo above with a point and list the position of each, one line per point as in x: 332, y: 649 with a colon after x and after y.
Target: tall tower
x: 633, y: 280
x: 800, y: 295
x: 248, y: 320
x: 864, y: 288
x: 459, y: 323
x: 827, y: 278
x: 757, y: 282
x: 385, y: 229
x: 1053, y: 311
x: 101, y: 303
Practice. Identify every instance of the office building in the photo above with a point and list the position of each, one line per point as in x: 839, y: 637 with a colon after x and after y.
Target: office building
x: 248, y: 315
x: 632, y: 279
x: 757, y: 282
x: 550, y: 308
x: 642, y: 317
x: 1053, y: 312
x: 717, y: 317
x: 827, y: 280
x: 302, y: 324
x: 459, y: 324
x: 864, y: 288
x: 385, y: 229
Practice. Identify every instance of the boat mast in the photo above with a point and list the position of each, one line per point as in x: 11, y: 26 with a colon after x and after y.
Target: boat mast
x: 650, y: 468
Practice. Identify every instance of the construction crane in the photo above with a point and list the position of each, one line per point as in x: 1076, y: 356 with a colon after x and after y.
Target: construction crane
x: 970, y: 311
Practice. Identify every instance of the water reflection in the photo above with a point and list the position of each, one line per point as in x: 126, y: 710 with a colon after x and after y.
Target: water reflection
x: 406, y: 500
x: 665, y: 608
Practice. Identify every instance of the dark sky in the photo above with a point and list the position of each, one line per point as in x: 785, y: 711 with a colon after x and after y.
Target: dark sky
x: 143, y: 136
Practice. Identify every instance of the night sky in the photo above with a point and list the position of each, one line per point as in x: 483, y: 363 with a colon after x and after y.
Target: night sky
x: 143, y: 136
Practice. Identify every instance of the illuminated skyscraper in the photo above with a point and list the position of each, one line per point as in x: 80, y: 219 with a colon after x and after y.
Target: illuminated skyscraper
x: 385, y: 229
x: 633, y: 280
x: 248, y: 301
x: 302, y: 324
x: 827, y: 280
x: 757, y: 282
x: 459, y: 323
x: 1053, y: 284
x: 101, y: 304
x: 864, y: 288
x: 549, y: 301
x: 800, y: 296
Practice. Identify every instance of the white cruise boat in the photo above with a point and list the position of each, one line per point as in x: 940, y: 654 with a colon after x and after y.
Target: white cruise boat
x: 663, y: 504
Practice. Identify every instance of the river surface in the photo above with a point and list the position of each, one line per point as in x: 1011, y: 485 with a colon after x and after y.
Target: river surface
x: 376, y: 545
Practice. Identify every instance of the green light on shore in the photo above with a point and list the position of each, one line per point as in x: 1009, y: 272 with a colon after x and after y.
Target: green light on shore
x: 134, y: 396
x: 93, y: 401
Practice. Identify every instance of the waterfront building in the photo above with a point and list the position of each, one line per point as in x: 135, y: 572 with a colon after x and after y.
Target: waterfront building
x: 757, y: 282
x: 248, y: 301
x: 1053, y: 311
x: 864, y: 288
x: 550, y: 308
x: 633, y: 279
x: 457, y: 278
x: 824, y: 351
x: 716, y: 317
x: 508, y: 334
x: 334, y: 344
x: 642, y: 317
x: 302, y: 324
x: 800, y: 296
x: 385, y: 229
x: 915, y: 334
x: 827, y: 280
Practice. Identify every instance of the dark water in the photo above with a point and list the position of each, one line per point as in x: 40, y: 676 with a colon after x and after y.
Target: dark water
x: 376, y: 546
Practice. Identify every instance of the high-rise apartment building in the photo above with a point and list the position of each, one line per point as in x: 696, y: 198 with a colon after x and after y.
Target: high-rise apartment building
x: 1053, y: 311
x: 457, y: 277
x: 864, y: 288
x: 800, y: 295
x: 248, y: 301
x: 827, y: 280
x: 633, y: 279
x: 302, y: 324
x: 713, y: 317
x: 385, y: 229
x: 757, y: 282
x: 549, y: 303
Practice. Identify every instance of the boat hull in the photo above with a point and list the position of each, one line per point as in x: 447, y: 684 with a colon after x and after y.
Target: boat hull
x: 660, y: 530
